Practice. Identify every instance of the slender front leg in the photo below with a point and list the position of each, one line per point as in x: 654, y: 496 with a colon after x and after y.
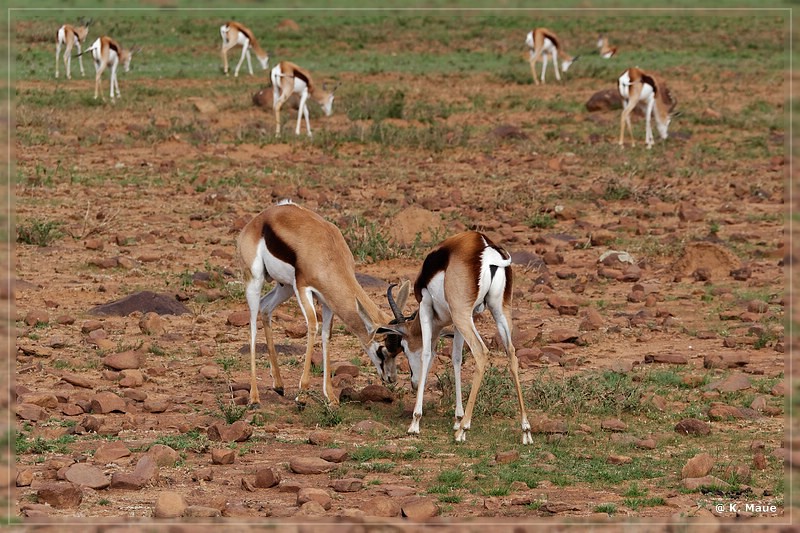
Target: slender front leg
x: 249, y: 62
x: 241, y: 59
x: 502, y: 316
x: 58, y: 53
x: 466, y: 326
x: 285, y: 94
x: 98, y: 75
x: 649, y: 134
x: 555, y: 64
x: 306, y: 299
x: 253, y: 295
x: 426, y: 325
x: 301, y: 110
x: 308, y: 123
x: 327, y: 384
x: 80, y: 58
x: 279, y: 294
x: 544, y: 66
x: 458, y: 356
x: 532, y: 60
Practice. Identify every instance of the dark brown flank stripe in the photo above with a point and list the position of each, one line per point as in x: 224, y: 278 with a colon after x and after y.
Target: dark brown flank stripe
x: 114, y: 46
x: 552, y: 38
x: 247, y: 34
x: 650, y: 81
x: 509, y: 285
x: 278, y: 246
x: 435, y: 262
x: 299, y: 74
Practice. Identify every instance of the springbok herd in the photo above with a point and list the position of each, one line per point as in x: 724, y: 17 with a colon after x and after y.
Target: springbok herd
x: 308, y: 258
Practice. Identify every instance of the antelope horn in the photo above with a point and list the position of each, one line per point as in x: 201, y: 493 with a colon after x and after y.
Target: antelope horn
x: 397, y: 312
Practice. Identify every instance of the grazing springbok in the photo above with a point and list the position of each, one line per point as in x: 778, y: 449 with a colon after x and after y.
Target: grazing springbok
x: 541, y: 42
x: 236, y: 34
x: 636, y: 85
x: 287, y: 79
x: 466, y: 274
x: 308, y: 258
x: 69, y: 36
x: 606, y: 51
x: 107, y: 53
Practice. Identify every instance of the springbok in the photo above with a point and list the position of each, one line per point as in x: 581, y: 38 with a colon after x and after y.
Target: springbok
x: 636, y: 85
x: 466, y: 274
x: 541, y: 42
x: 308, y: 258
x: 606, y: 51
x: 287, y: 79
x: 236, y: 34
x: 108, y: 53
x: 69, y: 36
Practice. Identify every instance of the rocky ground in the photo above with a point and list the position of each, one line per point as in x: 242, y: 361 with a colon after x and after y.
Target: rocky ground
x: 121, y: 409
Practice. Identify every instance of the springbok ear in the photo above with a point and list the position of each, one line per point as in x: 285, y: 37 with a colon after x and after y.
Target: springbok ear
x: 335, y: 87
x: 574, y: 59
x: 402, y: 294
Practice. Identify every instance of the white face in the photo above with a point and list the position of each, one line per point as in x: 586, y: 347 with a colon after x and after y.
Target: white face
x: 327, y: 106
x: 264, y: 62
x: 529, y: 40
x: 565, y: 65
x: 414, y: 363
x: 127, y: 62
x: 385, y: 363
x: 663, y: 126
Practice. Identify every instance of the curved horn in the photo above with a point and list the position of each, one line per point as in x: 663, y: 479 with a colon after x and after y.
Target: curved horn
x: 396, y: 311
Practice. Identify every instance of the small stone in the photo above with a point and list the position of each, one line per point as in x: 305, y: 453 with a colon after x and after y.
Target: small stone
x: 618, y: 459
x: 239, y: 431
x: 106, y: 402
x: 32, y: 412
x: 613, y: 425
x: 107, y: 453
x: 334, y: 455
x: 124, y: 360
x: 199, y: 511
x: 376, y: 393
x: 239, y: 318
x: 163, y: 455
x: 506, y: 457
x: 35, y: 317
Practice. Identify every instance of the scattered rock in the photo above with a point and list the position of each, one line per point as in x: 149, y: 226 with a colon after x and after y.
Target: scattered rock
x: 692, y: 426
x: 163, y: 455
x: 382, y: 506
x: 267, y: 477
x: 698, y: 466
x: 239, y: 431
x: 152, y: 324
x: 614, y: 424
x: 733, y: 383
x: 706, y: 482
x: 169, y: 505
x: 347, y: 485
x: 666, y: 358
x: 223, y: 456
x: 419, y: 508
x: 106, y: 402
x: 107, y: 453
x: 312, y: 494
x: 310, y: 465
x: 376, y: 393
x: 60, y: 495
x: 506, y: 457
x: 145, y: 302
x: 334, y: 455
x: 125, y: 360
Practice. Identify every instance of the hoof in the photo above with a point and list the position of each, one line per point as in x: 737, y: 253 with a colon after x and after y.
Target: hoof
x: 279, y: 390
x: 254, y: 406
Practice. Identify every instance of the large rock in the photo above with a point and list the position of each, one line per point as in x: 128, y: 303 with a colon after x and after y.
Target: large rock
x: 382, y: 506
x: 310, y: 465
x: 698, y: 466
x: 414, y: 221
x: 169, y: 505
x: 145, y: 302
x: 85, y: 475
x: 60, y: 495
x: 714, y: 260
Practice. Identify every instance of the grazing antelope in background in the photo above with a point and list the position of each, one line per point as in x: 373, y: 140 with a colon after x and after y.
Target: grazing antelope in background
x: 69, y: 36
x: 108, y: 53
x: 308, y: 258
x: 541, y: 42
x: 235, y: 34
x: 636, y: 85
x: 466, y: 274
x: 606, y: 51
x: 287, y: 79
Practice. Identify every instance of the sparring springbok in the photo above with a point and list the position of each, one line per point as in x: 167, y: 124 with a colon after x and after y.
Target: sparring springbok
x: 636, y: 85
x: 287, y: 79
x: 606, y: 51
x: 108, y: 53
x: 236, y: 34
x: 307, y: 257
x: 541, y: 42
x: 69, y: 36
x: 466, y: 274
